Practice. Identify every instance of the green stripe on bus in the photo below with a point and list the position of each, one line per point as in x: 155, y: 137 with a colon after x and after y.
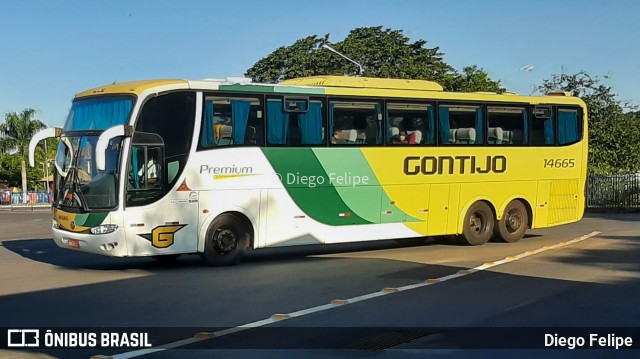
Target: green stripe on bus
x: 272, y: 89
x: 319, y: 201
x: 349, y: 173
x: 358, y: 185
x: 90, y: 219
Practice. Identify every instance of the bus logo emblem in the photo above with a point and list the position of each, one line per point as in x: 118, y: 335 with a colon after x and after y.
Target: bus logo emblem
x: 162, y: 236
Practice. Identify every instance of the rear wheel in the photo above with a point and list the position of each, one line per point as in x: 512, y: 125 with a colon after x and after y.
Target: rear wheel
x: 478, y: 225
x: 513, y: 224
x: 225, y: 241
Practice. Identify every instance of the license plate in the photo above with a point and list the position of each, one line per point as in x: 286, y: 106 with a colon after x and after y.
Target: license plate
x: 73, y: 243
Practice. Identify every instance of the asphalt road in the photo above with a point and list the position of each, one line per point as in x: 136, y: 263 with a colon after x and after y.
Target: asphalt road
x: 395, y: 294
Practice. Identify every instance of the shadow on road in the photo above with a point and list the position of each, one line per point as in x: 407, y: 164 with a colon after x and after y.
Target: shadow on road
x: 176, y: 304
x: 188, y: 296
x: 46, y: 251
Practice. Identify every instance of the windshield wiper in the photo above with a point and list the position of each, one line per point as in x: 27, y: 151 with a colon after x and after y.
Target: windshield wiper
x: 76, y: 189
x: 71, y: 190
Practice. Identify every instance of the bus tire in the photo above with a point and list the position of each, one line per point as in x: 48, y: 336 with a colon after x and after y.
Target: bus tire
x: 225, y: 241
x: 511, y: 227
x: 478, y: 225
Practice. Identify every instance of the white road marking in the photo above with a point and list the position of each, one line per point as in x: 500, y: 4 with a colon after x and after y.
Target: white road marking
x: 342, y: 302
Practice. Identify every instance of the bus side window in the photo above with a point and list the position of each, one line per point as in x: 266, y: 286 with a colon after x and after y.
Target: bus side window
x: 569, y: 128
x: 411, y: 124
x: 146, y: 168
x: 311, y: 125
x: 461, y: 125
x: 303, y: 125
x: 166, y: 122
x: 543, y: 131
x: 231, y: 121
x: 277, y: 123
x: 355, y: 123
x: 507, y: 126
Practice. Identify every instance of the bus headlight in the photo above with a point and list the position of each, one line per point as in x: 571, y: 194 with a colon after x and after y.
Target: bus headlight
x: 104, y: 229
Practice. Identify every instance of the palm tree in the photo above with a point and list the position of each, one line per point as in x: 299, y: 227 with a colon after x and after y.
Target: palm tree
x: 15, y: 134
x: 17, y: 130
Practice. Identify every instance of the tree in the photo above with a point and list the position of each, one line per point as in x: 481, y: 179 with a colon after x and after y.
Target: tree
x: 614, y: 135
x: 15, y: 134
x: 473, y: 79
x: 383, y: 53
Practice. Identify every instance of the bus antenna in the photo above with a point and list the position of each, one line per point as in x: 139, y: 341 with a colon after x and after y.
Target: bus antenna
x: 360, y: 68
x: 118, y: 75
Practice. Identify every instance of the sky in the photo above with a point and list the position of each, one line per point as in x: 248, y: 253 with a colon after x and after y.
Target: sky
x: 51, y: 50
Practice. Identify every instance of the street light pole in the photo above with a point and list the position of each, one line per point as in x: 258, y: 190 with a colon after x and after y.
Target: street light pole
x: 360, y: 68
x: 45, y: 171
x: 42, y: 163
x: 525, y: 68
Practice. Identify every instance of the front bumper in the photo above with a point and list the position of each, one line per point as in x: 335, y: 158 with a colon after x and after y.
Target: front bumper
x: 111, y: 244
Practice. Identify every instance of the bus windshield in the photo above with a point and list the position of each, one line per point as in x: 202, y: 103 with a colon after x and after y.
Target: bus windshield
x: 98, y: 113
x: 79, y: 184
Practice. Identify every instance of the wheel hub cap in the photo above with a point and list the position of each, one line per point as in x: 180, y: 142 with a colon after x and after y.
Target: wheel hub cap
x: 514, y: 221
x: 225, y: 240
x: 476, y: 223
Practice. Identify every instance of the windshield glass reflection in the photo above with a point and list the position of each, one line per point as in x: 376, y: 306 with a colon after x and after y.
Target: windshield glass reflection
x: 79, y: 184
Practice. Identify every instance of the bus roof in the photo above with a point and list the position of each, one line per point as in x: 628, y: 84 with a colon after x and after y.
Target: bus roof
x: 133, y: 87
x: 335, y: 85
x: 381, y: 87
x: 365, y: 82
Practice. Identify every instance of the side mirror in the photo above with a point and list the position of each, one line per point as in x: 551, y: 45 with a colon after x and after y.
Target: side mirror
x: 41, y: 135
x: 103, y: 142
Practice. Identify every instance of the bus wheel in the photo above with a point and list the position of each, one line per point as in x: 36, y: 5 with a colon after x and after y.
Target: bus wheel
x: 225, y: 241
x: 513, y: 224
x: 478, y: 225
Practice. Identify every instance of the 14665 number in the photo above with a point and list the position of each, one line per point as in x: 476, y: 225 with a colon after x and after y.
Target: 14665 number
x: 559, y: 163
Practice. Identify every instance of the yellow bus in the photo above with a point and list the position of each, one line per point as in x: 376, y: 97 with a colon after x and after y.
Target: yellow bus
x: 167, y: 167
